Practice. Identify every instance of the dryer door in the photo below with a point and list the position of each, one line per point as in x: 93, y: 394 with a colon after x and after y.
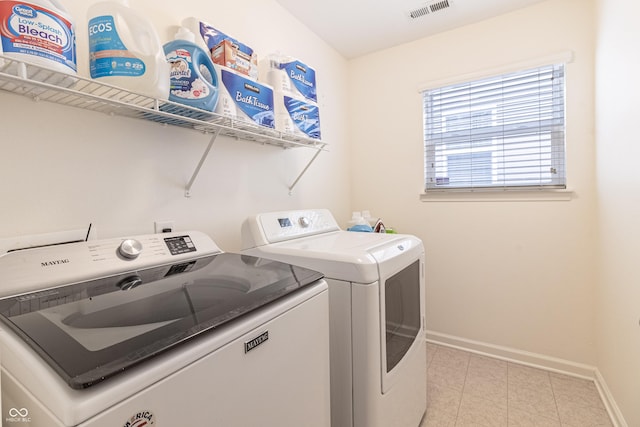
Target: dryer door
x: 402, y: 305
x: 402, y: 314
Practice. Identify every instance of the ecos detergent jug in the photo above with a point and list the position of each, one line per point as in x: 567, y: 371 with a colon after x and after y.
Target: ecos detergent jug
x: 125, y: 51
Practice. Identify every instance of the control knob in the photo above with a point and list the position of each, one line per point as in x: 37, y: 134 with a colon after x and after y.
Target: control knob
x: 129, y: 283
x: 130, y: 248
x: 304, y: 222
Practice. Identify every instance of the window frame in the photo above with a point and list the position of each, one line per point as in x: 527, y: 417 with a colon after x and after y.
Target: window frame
x: 561, y: 59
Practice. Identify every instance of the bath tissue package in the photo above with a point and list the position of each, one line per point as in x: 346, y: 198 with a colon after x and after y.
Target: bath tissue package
x: 296, y: 115
x: 244, y: 99
x: 290, y: 76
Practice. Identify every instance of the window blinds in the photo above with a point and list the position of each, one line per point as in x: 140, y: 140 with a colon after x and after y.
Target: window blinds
x: 503, y: 132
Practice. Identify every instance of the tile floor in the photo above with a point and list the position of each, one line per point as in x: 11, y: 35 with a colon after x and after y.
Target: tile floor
x: 466, y: 389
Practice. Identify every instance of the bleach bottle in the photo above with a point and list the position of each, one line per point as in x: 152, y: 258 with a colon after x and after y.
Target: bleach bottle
x: 194, y: 81
x: 125, y: 51
x: 39, y: 32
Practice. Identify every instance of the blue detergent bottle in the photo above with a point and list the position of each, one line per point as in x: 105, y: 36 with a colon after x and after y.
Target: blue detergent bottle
x: 194, y: 81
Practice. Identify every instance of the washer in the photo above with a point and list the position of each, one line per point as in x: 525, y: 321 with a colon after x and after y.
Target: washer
x: 161, y: 329
x: 377, y: 311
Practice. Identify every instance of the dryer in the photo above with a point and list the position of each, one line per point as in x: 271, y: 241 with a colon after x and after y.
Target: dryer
x: 376, y: 311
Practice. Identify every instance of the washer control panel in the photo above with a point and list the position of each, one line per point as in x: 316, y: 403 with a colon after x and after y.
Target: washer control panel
x: 42, y: 267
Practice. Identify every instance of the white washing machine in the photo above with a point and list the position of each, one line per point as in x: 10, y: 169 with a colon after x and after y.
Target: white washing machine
x: 376, y: 306
x: 162, y: 330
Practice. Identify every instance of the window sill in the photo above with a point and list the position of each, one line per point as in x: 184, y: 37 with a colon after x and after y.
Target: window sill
x: 499, y: 196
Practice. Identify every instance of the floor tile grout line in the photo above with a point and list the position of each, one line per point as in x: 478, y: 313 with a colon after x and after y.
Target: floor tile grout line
x: 508, y: 394
x: 547, y: 373
x: 555, y: 400
x: 463, y: 387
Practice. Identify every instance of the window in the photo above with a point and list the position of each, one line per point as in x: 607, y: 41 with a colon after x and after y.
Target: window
x: 504, y: 132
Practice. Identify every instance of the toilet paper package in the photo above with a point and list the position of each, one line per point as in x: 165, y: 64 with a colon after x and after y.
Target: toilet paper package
x: 244, y: 99
x: 296, y: 115
x: 290, y: 76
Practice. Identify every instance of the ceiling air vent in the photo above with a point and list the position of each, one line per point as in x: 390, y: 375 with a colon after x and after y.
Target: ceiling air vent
x: 417, y: 13
x: 430, y: 8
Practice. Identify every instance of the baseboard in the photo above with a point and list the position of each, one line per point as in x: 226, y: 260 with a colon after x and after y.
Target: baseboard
x: 609, y: 402
x: 535, y: 360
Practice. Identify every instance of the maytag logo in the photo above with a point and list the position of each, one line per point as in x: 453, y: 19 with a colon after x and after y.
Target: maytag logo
x: 54, y: 262
x: 250, y: 345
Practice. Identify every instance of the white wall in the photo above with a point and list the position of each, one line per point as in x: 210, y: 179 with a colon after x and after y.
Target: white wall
x: 63, y: 168
x: 514, y: 274
x: 618, y: 148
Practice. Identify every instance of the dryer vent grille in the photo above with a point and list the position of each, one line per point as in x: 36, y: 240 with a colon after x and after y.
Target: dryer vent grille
x: 430, y: 8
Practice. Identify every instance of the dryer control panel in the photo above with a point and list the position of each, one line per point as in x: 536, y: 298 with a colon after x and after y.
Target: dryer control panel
x: 275, y: 227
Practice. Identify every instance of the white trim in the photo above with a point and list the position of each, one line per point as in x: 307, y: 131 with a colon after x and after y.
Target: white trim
x: 565, y: 57
x: 609, y: 402
x: 514, y: 355
x: 536, y: 360
x: 542, y: 195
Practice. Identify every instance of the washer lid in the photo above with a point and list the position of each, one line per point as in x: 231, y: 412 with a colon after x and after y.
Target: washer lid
x: 92, y: 330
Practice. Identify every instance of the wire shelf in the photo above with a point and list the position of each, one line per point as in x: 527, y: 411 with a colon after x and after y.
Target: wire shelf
x: 42, y: 84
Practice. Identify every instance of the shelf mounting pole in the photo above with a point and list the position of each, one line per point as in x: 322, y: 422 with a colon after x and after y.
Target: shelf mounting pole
x: 304, y: 170
x: 187, y: 192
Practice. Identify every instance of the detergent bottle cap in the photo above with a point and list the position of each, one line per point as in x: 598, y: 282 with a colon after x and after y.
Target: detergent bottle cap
x: 185, y: 34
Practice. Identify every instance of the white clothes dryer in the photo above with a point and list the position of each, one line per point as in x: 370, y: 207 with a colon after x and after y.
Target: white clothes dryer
x: 376, y: 311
